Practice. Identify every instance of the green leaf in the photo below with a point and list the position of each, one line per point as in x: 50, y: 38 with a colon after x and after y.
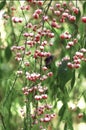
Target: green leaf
x: 84, y: 116
x: 62, y: 111
x: 68, y: 120
x: 84, y: 8
x: 2, y: 4
x: 65, y: 126
x: 8, y: 53
x: 73, y: 80
x: 68, y: 125
x: 64, y: 74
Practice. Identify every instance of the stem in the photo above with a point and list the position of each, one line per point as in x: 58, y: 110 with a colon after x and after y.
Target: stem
x: 28, y: 115
x: 23, y: 28
x: 48, y: 6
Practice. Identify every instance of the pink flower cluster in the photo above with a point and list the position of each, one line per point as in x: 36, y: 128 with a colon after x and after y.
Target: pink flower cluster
x: 33, y: 76
x: 17, y: 20
x: 63, y: 11
x: 34, y: 2
x: 65, y: 35
x: 40, y: 113
x: 38, y: 88
x: 77, y: 58
x: 71, y: 43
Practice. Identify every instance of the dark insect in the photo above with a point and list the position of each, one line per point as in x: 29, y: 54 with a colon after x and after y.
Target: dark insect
x: 48, y: 61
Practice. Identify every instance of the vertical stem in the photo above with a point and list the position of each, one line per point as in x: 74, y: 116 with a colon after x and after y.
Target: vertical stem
x: 27, y: 119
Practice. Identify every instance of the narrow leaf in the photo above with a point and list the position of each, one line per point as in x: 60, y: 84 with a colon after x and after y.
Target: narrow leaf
x: 84, y: 8
x: 62, y: 111
x: 73, y: 80
x: 2, y: 4
x: 68, y: 125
